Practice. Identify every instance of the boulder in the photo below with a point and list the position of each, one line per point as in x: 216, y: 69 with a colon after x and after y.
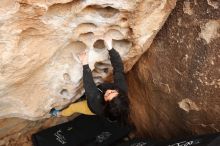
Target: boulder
x: 40, y: 41
x: 175, y: 86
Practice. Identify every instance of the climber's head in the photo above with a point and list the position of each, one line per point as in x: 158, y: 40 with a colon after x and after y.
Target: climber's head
x: 116, y: 105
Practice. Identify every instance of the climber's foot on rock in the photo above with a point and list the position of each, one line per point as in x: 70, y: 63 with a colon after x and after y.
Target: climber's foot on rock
x: 54, y: 112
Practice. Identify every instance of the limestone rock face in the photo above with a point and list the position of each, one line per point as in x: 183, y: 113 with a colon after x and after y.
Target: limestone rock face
x: 40, y: 40
x: 175, y: 86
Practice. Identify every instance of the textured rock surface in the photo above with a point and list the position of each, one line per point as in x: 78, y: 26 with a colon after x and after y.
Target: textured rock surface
x: 175, y: 87
x: 40, y: 39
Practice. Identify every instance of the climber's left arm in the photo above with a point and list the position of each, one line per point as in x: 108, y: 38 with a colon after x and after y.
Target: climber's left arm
x: 117, y: 64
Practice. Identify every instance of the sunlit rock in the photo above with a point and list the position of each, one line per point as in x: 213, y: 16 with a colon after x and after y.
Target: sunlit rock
x: 40, y: 41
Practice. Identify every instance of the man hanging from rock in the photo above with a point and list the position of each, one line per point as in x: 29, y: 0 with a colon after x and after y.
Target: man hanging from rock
x: 109, y: 100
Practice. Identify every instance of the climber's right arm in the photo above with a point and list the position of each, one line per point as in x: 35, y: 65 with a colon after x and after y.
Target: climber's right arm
x: 90, y: 87
x: 92, y: 93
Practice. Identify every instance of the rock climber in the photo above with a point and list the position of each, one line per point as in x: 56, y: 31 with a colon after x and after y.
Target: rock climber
x: 109, y: 100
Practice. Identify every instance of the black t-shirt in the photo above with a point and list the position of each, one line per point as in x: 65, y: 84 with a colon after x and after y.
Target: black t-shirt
x: 95, y: 94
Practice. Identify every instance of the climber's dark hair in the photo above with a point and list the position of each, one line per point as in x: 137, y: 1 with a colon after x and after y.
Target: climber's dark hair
x: 118, y: 108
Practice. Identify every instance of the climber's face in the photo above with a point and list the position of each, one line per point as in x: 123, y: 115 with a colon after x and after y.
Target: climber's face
x: 110, y: 94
